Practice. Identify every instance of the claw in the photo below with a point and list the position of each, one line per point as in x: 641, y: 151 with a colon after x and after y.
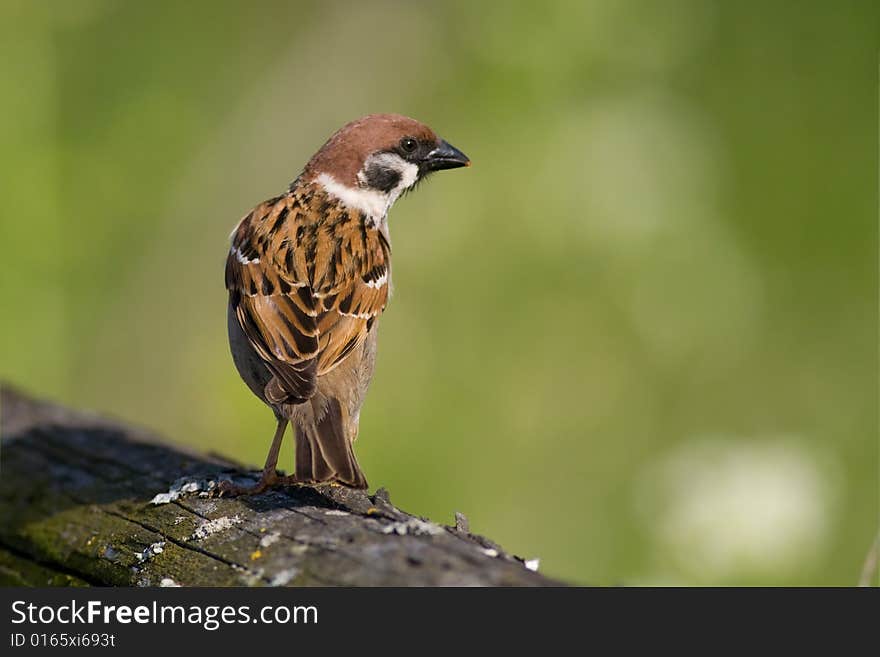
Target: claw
x: 267, y: 481
x: 230, y: 489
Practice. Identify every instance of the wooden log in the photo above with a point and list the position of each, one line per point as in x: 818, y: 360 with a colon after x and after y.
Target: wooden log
x: 89, y: 501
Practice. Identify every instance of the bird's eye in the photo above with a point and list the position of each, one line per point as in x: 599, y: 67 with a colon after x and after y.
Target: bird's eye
x: 408, y: 145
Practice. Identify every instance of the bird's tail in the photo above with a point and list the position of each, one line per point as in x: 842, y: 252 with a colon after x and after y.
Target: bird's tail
x: 324, y: 451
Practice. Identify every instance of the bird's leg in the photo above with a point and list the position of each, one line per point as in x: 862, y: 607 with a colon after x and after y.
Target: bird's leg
x: 269, y: 477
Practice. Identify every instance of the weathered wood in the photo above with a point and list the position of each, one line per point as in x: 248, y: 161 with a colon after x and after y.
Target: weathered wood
x: 88, y: 501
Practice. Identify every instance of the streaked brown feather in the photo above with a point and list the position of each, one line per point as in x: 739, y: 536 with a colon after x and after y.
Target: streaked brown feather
x: 307, y: 290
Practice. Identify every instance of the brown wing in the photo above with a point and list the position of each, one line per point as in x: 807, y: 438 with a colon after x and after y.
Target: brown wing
x: 306, y: 279
x: 351, y: 285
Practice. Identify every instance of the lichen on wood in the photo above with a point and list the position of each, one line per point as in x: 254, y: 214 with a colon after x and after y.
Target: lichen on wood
x: 88, y: 501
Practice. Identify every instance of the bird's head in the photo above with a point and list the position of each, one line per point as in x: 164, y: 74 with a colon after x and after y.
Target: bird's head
x: 370, y: 162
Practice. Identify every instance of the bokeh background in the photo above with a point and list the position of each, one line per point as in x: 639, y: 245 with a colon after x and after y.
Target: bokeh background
x: 637, y: 339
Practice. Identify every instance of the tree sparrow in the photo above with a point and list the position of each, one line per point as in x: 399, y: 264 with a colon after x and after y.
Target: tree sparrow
x: 308, y: 274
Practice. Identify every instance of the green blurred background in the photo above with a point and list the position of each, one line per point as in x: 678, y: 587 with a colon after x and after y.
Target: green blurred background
x: 637, y: 339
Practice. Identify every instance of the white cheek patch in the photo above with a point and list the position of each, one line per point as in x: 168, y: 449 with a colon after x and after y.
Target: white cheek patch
x: 408, y: 171
x: 369, y: 201
x: 373, y: 202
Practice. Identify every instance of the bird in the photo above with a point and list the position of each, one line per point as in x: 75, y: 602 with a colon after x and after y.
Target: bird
x: 308, y: 275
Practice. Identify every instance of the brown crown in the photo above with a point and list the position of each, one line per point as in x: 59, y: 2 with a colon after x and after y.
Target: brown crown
x: 343, y: 155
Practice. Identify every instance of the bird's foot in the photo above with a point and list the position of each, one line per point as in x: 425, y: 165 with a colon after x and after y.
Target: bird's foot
x: 227, y: 488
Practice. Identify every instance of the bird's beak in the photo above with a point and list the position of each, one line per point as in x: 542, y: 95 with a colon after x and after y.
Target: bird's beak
x: 446, y: 156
